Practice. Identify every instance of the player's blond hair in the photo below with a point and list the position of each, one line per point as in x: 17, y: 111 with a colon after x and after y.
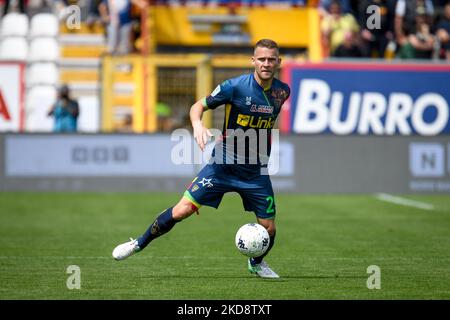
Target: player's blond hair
x: 267, y: 43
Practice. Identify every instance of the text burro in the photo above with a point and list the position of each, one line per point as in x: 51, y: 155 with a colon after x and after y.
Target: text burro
x: 319, y: 110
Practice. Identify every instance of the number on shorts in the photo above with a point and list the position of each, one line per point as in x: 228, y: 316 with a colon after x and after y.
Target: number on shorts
x: 270, y: 207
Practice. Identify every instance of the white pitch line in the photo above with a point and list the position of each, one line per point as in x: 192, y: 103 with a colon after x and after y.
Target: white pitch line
x: 404, y: 202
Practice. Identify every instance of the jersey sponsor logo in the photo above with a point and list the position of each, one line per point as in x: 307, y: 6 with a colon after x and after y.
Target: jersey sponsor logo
x: 245, y: 120
x: 261, y: 108
x: 248, y: 100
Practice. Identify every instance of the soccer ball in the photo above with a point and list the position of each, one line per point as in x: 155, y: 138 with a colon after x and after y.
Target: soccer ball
x: 252, y: 240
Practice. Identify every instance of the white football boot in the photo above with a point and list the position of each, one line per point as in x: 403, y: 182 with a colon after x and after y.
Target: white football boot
x: 262, y: 270
x: 124, y: 250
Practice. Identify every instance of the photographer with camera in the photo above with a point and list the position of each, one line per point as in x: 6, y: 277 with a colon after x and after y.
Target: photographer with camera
x: 66, y: 111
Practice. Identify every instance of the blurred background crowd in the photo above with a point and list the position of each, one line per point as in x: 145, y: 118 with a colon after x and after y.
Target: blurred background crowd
x: 405, y: 29
x: 88, y: 48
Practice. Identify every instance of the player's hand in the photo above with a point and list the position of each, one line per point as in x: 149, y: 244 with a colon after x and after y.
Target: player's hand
x: 201, y: 135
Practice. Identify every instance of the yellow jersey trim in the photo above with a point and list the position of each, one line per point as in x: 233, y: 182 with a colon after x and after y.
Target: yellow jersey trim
x: 188, y: 197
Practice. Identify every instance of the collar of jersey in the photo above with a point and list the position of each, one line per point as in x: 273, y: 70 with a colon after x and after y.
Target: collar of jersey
x: 264, y: 89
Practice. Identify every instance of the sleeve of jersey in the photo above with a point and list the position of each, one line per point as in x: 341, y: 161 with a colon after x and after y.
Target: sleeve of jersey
x: 288, y: 90
x: 221, y: 95
x: 287, y: 93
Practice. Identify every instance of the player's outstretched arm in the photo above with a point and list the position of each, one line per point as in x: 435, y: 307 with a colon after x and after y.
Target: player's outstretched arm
x: 200, y: 132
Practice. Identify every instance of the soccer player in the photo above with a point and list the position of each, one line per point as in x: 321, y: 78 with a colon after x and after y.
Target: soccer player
x: 253, y: 102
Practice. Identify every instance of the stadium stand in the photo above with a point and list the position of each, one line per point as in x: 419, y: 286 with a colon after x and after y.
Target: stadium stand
x: 44, y: 25
x: 55, y: 52
x: 14, y: 24
x: 81, y: 50
x: 14, y: 31
x: 14, y: 49
x: 38, y: 101
x: 42, y: 73
x: 80, y: 65
x: 34, y: 41
x: 44, y: 49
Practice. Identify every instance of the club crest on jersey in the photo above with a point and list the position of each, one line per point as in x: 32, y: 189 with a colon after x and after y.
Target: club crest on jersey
x: 248, y: 100
x: 261, y: 109
x: 279, y: 96
x: 190, y: 184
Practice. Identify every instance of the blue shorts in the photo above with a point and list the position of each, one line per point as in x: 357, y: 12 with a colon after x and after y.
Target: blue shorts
x: 214, y: 180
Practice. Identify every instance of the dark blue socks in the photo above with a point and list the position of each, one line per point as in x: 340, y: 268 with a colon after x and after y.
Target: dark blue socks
x: 259, y: 259
x: 163, y: 223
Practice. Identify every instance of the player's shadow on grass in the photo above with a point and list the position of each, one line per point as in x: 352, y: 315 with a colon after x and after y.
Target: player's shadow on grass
x: 324, y: 277
x: 282, y: 278
x: 181, y: 276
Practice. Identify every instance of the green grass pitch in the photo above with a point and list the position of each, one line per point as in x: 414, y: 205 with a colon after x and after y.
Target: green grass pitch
x: 324, y: 246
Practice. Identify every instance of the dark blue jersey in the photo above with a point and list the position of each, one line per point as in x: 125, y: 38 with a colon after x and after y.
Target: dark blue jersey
x: 250, y: 114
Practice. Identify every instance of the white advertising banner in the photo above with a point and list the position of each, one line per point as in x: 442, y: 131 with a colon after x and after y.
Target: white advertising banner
x: 87, y: 155
x: 49, y: 155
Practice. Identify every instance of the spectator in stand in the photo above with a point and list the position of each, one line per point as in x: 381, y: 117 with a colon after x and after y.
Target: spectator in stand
x: 420, y: 43
x: 443, y: 33
x: 93, y: 16
x: 277, y: 3
x: 21, y: 6
x: 375, y: 39
x: 116, y: 14
x: 439, y: 4
x: 335, y: 26
x: 65, y: 111
x: 349, y: 48
x: 324, y: 6
x: 136, y: 31
x: 405, y: 17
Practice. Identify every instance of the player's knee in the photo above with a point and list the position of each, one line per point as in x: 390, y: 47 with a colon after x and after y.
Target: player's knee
x: 182, y: 210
